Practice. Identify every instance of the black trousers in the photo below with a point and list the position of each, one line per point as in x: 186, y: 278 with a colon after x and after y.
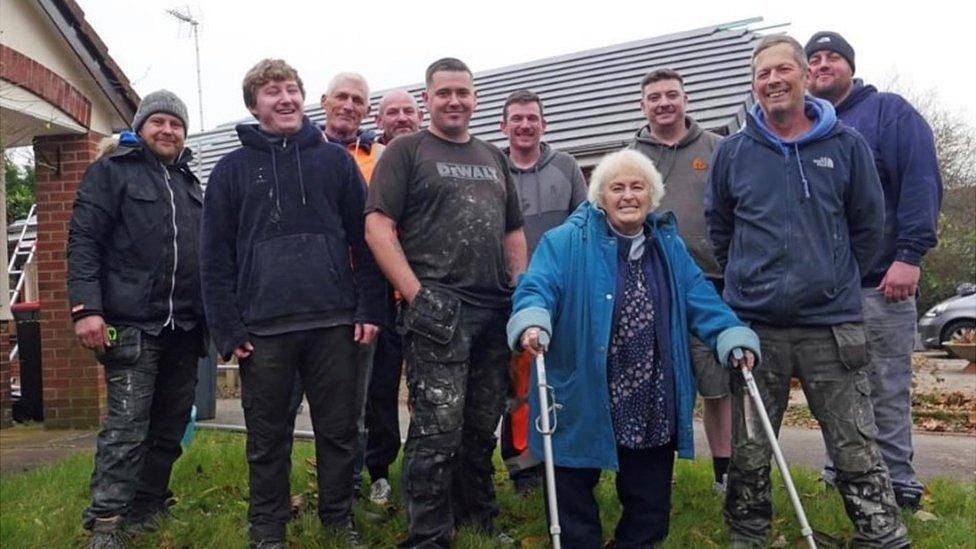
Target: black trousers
x: 644, y: 491
x: 151, y: 382
x: 383, y: 405
x: 332, y: 371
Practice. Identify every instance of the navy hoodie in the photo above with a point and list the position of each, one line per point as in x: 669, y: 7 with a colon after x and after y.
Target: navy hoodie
x: 794, y: 224
x: 282, y: 246
x: 904, y: 153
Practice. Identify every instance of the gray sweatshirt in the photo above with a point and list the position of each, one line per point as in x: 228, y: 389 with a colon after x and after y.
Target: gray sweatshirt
x: 684, y: 168
x: 548, y: 191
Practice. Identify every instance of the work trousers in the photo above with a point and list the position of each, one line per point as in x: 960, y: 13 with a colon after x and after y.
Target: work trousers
x: 150, y: 381
x: 457, y: 394
x: 829, y: 361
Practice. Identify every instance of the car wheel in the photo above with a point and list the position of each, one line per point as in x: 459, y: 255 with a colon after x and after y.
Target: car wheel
x: 956, y: 329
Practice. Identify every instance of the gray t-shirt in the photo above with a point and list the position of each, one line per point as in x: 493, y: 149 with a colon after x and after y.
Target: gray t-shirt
x: 453, y: 204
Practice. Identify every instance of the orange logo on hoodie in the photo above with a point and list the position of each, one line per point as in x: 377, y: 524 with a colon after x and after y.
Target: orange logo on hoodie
x: 699, y: 164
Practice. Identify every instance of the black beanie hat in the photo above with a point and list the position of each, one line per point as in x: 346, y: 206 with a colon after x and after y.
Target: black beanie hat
x: 827, y: 40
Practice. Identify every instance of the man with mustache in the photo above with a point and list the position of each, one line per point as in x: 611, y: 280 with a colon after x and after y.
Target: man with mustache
x: 796, y: 213
x: 904, y: 151
x: 397, y: 115
x: 681, y: 151
x: 550, y: 186
x: 290, y: 288
x: 460, y: 247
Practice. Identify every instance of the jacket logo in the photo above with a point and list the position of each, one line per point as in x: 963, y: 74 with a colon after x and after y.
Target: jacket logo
x: 824, y: 162
x: 698, y: 164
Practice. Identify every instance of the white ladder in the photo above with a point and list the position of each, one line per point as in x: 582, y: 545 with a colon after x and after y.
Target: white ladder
x: 23, y: 255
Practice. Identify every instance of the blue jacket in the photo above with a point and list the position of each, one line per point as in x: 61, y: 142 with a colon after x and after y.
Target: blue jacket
x: 569, y: 291
x: 795, y: 224
x: 904, y: 153
x: 282, y: 245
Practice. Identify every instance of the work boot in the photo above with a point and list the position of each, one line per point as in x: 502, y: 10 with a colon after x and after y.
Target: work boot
x: 106, y: 533
x: 354, y: 540
x: 909, y: 501
x: 146, y: 522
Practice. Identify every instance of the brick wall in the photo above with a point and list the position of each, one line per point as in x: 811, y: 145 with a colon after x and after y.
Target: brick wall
x: 73, y: 387
x: 5, y: 400
x: 23, y: 71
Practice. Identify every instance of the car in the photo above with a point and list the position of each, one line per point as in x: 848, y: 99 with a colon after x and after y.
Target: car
x: 949, y: 318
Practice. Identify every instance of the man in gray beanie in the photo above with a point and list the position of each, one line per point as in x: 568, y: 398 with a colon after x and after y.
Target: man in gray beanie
x: 134, y: 288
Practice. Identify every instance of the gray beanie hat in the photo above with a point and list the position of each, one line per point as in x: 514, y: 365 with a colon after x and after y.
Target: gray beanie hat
x: 159, y: 101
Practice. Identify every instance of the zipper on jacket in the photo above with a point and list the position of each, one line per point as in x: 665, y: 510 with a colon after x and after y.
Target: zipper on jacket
x: 176, y: 256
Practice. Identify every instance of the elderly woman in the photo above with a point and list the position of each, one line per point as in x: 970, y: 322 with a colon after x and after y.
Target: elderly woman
x: 617, y: 292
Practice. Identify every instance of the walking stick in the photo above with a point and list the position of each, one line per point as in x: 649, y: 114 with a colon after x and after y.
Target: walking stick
x: 545, y: 429
x: 777, y: 453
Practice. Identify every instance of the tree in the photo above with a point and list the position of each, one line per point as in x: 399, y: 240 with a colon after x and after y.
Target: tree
x: 20, y: 189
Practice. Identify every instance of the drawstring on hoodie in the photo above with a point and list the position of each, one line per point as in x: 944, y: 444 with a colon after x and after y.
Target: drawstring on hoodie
x: 803, y: 175
x: 274, y: 171
x: 301, y: 180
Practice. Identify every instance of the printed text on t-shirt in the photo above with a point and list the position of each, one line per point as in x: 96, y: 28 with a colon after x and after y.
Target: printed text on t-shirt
x: 467, y: 171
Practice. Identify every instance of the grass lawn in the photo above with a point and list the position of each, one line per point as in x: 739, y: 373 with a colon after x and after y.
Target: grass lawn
x: 42, y: 508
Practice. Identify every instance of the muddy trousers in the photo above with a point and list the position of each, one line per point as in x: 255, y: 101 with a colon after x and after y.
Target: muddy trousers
x: 331, y: 366
x: 457, y: 394
x: 150, y: 393
x: 829, y: 361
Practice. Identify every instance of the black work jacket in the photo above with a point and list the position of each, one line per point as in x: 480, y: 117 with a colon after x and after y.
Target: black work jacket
x: 133, y: 241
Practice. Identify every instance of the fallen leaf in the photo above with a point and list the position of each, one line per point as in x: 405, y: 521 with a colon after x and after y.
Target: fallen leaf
x: 780, y: 542
x: 925, y: 516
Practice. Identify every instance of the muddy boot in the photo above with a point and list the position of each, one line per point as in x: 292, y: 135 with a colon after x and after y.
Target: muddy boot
x: 106, y: 533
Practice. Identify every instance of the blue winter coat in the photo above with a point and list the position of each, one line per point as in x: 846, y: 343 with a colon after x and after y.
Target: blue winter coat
x: 904, y: 153
x: 569, y: 290
x: 795, y: 224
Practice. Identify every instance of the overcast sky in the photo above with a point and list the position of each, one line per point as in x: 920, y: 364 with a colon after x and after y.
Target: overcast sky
x: 391, y: 43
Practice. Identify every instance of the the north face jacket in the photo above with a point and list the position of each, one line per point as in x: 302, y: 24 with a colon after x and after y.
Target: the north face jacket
x: 794, y: 224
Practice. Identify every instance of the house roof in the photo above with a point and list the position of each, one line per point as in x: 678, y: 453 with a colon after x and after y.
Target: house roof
x: 590, y: 97
x: 70, y: 21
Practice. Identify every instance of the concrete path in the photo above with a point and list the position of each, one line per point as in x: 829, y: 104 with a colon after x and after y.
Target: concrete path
x: 23, y: 448
x: 951, y: 456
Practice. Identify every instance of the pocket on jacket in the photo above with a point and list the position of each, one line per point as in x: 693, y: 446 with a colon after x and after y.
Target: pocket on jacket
x: 141, y: 212
x: 296, y: 274
x: 126, y: 293
x: 851, y: 344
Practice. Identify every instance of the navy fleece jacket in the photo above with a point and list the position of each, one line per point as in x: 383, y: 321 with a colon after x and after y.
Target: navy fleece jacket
x: 282, y: 245
x: 904, y: 153
x: 794, y: 224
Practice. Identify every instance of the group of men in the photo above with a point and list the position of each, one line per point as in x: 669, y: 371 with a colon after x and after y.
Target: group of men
x: 322, y: 268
